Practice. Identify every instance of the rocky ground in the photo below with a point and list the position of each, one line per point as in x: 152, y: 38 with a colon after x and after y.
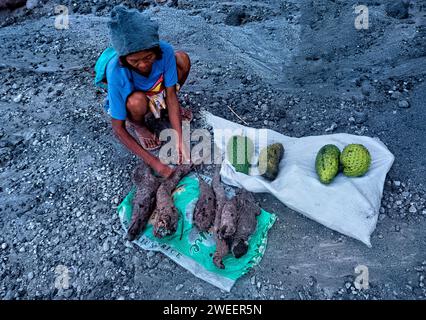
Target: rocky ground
x: 297, y: 67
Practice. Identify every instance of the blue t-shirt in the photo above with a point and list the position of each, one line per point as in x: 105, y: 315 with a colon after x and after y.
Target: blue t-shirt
x: 123, y: 81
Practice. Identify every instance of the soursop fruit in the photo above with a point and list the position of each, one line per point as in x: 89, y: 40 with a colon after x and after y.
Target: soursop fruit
x: 327, y: 163
x: 355, y: 160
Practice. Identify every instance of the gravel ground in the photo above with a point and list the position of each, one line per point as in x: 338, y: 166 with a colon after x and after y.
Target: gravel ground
x: 297, y: 67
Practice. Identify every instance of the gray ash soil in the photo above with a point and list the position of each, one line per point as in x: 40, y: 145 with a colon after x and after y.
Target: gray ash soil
x: 297, y: 67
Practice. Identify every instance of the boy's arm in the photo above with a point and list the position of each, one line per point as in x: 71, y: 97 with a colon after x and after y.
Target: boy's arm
x: 176, y: 121
x: 119, y: 129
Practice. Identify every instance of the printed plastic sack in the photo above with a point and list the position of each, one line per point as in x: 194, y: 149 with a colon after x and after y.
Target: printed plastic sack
x: 347, y: 205
x: 192, y: 249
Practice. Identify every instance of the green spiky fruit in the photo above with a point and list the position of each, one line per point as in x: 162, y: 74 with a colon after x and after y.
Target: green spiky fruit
x: 355, y: 160
x: 327, y: 163
x: 240, y: 151
x: 269, y: 160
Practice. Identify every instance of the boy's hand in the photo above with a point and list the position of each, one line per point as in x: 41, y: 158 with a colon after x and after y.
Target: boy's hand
x: 162, y: 169
x: 184, y: 157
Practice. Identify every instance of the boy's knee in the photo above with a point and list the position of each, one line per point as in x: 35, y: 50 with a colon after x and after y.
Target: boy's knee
x: 137, y: 105
x: 183, y: 61
x: 136, y: 100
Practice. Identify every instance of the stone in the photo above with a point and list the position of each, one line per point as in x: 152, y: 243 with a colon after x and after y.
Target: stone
x: 68, y: 293
x: 360, y: 117
x: 31, y: 4
x: 18, y: 98
x: 331, y: 128
x: 235, y: 17
x: 397, y: 9
x: 366, y: 88
x: 396, y: 95
x: 105, y: 246
x: 403, y: 104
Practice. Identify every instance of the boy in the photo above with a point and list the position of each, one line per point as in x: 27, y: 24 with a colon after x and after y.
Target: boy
x: 144, y: 77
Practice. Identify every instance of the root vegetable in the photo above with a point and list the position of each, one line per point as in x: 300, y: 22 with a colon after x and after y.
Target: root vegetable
x: 220, y: 196
x: 166, y: 215
x: 229, y: 219
x: 247, y: 223
x: 204, y: 212
x: 222, y: 247
x: 143, y: 201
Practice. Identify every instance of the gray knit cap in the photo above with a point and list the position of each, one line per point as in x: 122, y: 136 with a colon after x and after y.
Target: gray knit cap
x: 131, y: 31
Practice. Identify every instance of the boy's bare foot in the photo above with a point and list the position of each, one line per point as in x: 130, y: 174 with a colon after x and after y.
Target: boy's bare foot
x: 147, y: 139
